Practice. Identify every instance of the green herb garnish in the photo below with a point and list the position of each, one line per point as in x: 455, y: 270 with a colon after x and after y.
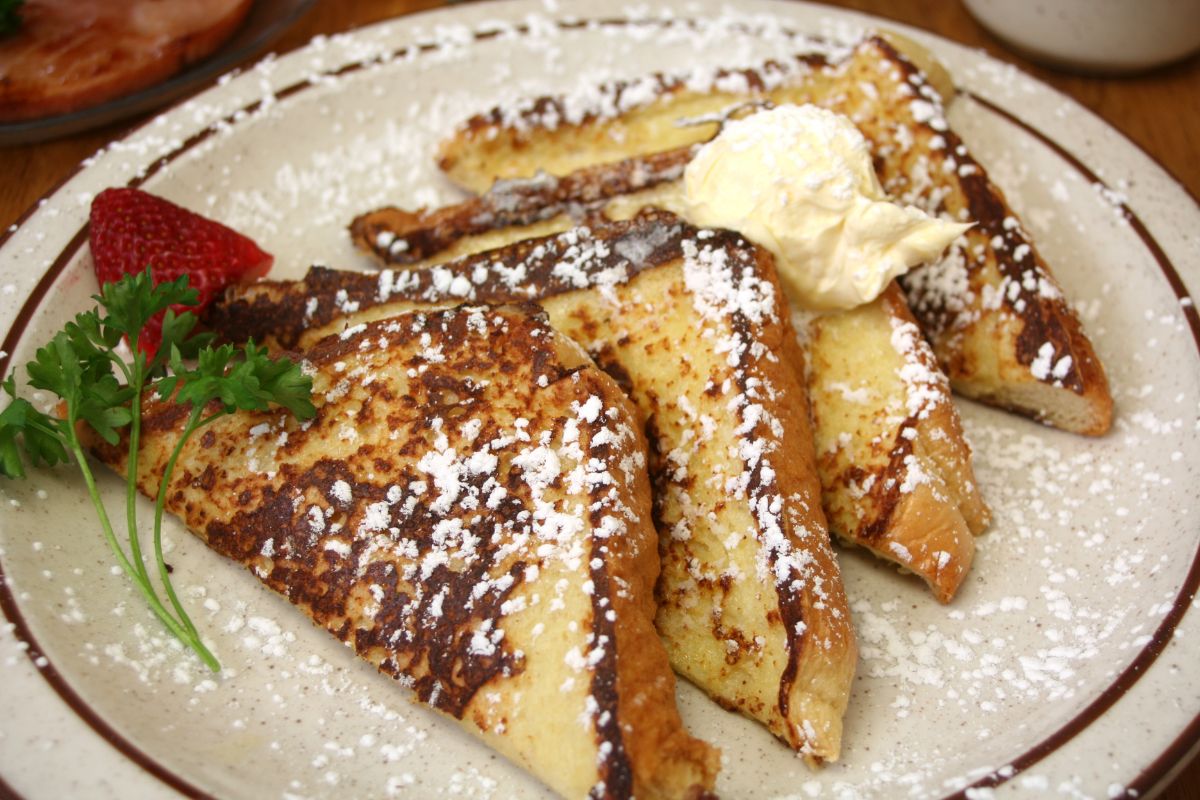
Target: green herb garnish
x: 10, y: 16
x: 97, y: 386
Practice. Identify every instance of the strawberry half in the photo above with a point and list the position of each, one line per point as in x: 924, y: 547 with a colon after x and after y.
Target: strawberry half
x: 131, y: 229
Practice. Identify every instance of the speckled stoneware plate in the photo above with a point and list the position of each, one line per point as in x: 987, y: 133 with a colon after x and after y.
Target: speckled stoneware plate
x: 1066, y: 666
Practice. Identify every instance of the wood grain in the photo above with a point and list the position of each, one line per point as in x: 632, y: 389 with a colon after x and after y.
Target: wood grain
x: 1159, y: 111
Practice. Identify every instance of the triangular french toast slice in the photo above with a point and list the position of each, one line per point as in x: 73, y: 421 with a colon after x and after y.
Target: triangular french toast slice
x: 512, y: 210
x: 895, y: 469
x: 998, y: 320
x: 470, y: 512
x: 691, y: 322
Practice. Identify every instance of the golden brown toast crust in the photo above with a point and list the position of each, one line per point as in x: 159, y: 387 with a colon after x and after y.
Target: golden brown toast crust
x: 399, y: 237
x: 999, y: 323
x: 469, y: 511
x: 282, y: 312
x: 751, y: 602
x: 483, y: 148
x: 894, y: 465
x: 1012, y: 339
x: 868, y: 450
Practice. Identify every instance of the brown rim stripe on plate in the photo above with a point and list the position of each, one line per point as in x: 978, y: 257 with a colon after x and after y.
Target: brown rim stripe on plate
x: 1186, y: 742
x: 8, y: 603
x: 42, y: 663
x: 7, y: 792
x: 1150, y: 776
x: 1162, y: 768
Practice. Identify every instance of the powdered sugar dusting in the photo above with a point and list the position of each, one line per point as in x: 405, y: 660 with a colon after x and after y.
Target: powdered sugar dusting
x: 1019, y: 645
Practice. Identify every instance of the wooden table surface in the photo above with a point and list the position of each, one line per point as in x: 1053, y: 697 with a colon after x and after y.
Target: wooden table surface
x: 1159, y: 111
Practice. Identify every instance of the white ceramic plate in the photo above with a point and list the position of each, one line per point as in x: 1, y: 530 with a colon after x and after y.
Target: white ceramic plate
x: 1063, y: 668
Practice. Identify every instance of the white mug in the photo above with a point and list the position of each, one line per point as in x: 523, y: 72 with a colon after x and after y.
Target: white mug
x: 1107, y: 36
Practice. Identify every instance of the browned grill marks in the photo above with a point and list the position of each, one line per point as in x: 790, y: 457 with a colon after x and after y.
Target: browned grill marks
x: 543, y: 108
x: 761, y: 487
x: 657, y: 238
x: 616, y: 771
x: 1015, y: 256
x: 418, y: 557
x: 1127, y: 678
x: 885, y: 494
x: 281, y: 312
x: 402, y: 237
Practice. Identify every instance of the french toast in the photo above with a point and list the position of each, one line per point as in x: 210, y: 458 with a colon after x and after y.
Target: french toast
x: 689, y: 322
x: 998, y: 321
x: 469, y: 511
x: 895, y: 469
x: 521, y: 208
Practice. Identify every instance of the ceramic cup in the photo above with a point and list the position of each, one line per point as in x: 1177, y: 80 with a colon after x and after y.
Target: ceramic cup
x: 1103, y: 36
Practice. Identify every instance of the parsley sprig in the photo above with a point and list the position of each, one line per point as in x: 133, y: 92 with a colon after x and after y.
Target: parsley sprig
x: 83, y: 366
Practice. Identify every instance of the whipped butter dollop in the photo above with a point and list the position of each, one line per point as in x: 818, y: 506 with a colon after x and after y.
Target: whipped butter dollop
x: 798, y: 180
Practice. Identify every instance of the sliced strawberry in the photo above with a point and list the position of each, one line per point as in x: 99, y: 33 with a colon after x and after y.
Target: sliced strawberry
x: 131, y: 229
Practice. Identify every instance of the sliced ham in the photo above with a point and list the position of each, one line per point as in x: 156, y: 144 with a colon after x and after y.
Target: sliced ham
x: 72, y: 54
